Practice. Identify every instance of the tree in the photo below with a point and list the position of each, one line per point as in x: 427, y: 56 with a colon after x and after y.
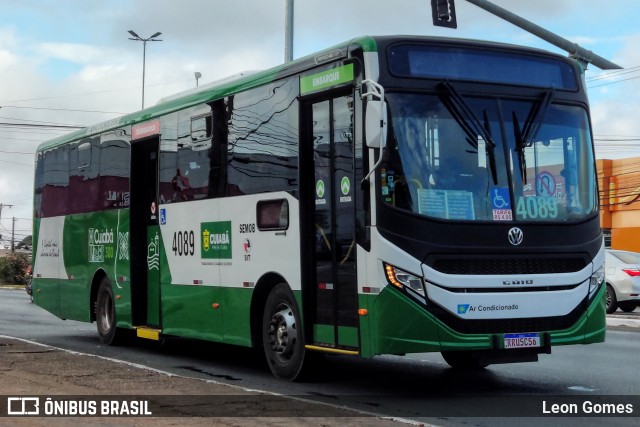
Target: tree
x: 13, y: 269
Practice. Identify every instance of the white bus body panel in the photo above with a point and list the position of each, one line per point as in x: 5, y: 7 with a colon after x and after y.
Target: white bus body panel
x: 482, y: 305
x: 253, y: 252
x: 49, y: 258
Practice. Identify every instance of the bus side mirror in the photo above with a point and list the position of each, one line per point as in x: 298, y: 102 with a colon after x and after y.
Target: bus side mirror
x: 376, y: 124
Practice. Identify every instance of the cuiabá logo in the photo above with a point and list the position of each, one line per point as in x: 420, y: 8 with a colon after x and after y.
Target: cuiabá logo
x: 462, y: 308
x: 216, y: 240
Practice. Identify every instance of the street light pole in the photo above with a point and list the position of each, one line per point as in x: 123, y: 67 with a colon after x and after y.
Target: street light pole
x: 288, y: 32
x: 144, y: 52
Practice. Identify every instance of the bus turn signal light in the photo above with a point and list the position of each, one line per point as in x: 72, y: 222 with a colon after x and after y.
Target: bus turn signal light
x: 391, y: 276
x: 363, y: 312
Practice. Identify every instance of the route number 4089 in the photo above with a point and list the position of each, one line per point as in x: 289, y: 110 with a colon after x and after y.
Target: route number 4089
x: 534, y: 207
x: 184, y: 243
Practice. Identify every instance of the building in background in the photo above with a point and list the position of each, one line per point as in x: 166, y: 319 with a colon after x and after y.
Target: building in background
x: 619, y: 182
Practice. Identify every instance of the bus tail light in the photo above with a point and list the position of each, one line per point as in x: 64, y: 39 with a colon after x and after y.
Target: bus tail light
x: 403, y: 280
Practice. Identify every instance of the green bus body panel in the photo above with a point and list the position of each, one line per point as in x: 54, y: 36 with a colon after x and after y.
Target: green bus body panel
x: 590, y: 327
x: 70, y: 297
x: 95, y: 239
x: 348, y: 336
x: 46, y: 294
x: 383, y: 331
x: 189, y: 311
x: 324, y: 334
x: 235, y: 305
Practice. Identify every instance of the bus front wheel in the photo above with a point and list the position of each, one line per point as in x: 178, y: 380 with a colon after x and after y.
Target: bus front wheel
x: 282, y: 334
x: 106, y: 314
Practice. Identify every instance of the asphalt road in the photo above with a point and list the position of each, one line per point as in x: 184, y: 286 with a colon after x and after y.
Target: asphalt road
x: 418, y: 387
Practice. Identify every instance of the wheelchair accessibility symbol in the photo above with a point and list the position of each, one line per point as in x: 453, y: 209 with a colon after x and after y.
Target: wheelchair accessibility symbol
x: 500, y: 198
x: 545, y: 185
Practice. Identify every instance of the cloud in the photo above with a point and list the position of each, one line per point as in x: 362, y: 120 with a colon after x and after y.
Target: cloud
x: 616, y: 101
x: 78, y: 53
x: 220, y: 37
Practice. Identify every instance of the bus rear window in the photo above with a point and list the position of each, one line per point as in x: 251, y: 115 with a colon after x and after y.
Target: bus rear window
x: 473, y: 64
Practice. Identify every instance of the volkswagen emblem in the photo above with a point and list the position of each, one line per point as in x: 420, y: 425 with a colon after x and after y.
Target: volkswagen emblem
x: 515, y: 236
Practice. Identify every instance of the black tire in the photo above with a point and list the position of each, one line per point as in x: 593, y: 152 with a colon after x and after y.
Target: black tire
x: 106, y: 315
x: 627, y: 306
x: 612, y: 301
x: 282, y: 337
x: 463, y: 360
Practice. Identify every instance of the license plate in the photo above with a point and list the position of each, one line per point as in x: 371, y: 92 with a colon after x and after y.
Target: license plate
x: 521, y: 340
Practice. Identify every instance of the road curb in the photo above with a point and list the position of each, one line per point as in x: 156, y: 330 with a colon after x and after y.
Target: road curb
x: 623, y: 322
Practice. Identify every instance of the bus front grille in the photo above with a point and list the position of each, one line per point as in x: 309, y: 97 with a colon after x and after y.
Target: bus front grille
x: 500, y: 265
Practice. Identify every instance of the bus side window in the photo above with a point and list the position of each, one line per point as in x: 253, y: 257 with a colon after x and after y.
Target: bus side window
x: 190, y: 180
x: 262, y: 153
x: 84, y: 173
x: 54, y: 182
x: 115, y: 154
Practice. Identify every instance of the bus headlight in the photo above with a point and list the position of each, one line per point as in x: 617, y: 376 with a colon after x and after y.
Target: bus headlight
x: 597, y: 279
x: 406, y: 281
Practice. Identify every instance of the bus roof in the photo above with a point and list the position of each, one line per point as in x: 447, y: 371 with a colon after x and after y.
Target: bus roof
x: 247, y: 80
x: 210, y: 92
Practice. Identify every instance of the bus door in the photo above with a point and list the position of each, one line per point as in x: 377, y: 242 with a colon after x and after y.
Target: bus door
x: 145, y: 239
x: 331, y: 225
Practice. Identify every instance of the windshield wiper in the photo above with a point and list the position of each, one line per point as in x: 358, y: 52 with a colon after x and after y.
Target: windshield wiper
x: 524, y: 136
x: 462, y: 113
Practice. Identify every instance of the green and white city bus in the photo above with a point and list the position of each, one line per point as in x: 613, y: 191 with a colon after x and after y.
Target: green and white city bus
x: 389, y: 195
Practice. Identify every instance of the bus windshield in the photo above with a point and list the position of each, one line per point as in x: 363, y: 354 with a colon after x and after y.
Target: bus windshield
x: 489, y: 159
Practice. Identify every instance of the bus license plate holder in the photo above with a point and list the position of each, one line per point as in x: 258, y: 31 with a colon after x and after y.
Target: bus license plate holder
x: 526, y: 340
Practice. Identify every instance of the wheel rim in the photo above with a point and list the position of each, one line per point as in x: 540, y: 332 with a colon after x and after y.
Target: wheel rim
x: 282, y: 332
x: 608, y: 297
x: 106, y: 314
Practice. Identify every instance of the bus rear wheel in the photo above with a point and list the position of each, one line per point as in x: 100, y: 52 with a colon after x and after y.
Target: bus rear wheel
x: 463, y: 360
x: 106, y: 315
x: 282, y: 334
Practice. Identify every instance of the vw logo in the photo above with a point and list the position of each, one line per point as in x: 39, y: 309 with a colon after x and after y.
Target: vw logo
x: 515, y: 236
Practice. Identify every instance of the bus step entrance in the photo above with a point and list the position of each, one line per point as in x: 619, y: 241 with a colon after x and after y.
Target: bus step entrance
x: 148, y: 333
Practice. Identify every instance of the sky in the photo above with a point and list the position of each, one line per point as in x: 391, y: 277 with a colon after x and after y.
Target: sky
x: 71, y: 63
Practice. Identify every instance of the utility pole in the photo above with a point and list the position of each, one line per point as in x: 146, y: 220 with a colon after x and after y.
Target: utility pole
x: 13, y: 234
x: 3, y: 206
